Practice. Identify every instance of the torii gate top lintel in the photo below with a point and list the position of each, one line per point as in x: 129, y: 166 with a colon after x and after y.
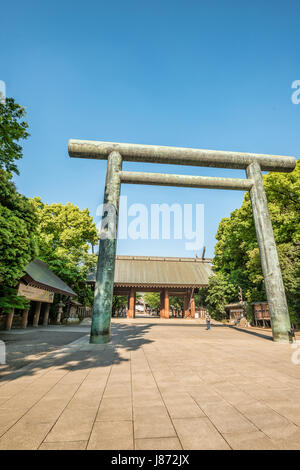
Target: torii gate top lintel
x: 178, y: 155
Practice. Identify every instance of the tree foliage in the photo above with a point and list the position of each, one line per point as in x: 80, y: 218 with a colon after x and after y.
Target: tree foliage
x: 220, y: 292
x: 17, y: 213
x: 236, y: 252
x: 119, y: 302
x: 176, y: 303
x: 152, y: 299
x: 18, y: 232
x: 65, y: 233
x: 12, y: 129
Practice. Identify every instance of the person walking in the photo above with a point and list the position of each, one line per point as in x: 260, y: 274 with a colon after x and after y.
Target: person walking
x: 207, y: 318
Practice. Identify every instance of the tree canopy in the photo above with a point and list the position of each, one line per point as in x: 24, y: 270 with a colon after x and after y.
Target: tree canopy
x: 17, y: 213
x: 12, y: 129
x: 152, y: 299
x: 18, y: 221
x: 64, y: 236
x: 237, y: 258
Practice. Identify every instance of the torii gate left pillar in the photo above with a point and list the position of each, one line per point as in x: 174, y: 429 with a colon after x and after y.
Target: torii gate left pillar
x: 100, y: 330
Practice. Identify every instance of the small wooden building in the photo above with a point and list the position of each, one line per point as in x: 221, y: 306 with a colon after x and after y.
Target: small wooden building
x: 235, y: 311
x: 39, y: 284
x: 170, y: 276
x: 261, y: 314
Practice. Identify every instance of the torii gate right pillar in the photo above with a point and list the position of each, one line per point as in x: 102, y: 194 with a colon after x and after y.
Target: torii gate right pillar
x: 269, y: 257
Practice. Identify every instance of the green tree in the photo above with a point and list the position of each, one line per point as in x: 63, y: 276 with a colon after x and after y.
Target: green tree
x: 152, y: 299
x: 220, y: 292
x: 18, y: 221
x: 17, y: 213
x: 176, y: 303
x: 12, y: 129
x: 65, y: 234
x: 237, y: 254
x: 200, y: 297
x: 119, y: 302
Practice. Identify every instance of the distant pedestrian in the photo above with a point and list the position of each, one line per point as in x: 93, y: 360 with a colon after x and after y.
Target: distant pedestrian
x: 293, y: 336
x: 207, y: 318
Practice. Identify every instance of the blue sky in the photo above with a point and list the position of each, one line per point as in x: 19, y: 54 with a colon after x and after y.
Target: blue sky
x: 213, y: 75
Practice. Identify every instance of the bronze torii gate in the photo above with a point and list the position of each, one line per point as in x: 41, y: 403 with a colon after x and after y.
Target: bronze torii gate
x: 115, y: 153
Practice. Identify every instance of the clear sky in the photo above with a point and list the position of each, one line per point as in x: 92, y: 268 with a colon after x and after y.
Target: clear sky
x: 208, y: 74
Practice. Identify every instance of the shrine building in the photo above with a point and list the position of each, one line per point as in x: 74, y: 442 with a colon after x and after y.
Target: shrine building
x: 178, y: 277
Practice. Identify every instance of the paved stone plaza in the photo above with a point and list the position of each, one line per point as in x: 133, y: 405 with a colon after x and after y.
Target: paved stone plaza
x: 160, y: 384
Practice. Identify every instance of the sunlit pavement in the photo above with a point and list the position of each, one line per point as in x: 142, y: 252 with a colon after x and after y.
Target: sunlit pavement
x: 159, y: 384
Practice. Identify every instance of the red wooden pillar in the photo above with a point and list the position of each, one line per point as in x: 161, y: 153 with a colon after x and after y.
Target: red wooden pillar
x: 131, y: 303
x: 166, y: 303
x: 162, y: 306
x: 186, y: 304
x: 192, y: 307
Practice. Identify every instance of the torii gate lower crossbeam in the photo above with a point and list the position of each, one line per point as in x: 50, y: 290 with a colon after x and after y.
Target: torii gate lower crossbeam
x: 252, y: 163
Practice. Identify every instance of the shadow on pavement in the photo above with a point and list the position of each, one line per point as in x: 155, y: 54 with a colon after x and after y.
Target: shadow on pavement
x: 254, y: 333
x: 71, y: 357
x: 125, y: 337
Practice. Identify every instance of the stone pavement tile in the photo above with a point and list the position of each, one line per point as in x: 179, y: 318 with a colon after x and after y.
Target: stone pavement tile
x: 230, y: 393
x: 290, y: 410
x: 287, y: 444
x: 8, y: 418
x: 181, y: 405
x: 287, y: 432
x: 205, y: 395
x: 199, y: 433
x: 287, y: 438
x: 47, y: 410
x: 123, y: 369
x: 72, y: 426
x: 139, y: 388
x: 25, y: 399
x: 56, y: 372
x: 226, y: 418
x: 165, y: 373
x: 77, y: 445
x: 211, y: 377
x: 3, y: 400
x: 99, y: 371
x: 111, y: 435
x: 256, y: 440
x: 242, y: 382
x: 63, y: 391
x: 157, y: 410
x: 169, y: 385
x: 152, y: 422
x: 143, y: 382
x: 24, y: 436
x: 75, y: 377
x: 147, y: 400
x: 119, y: 380
x: 269, y: 383
x: 88, y: 394
x: 286, y: 380
x: 164, y: 443
x: 115, y: 408
x: 262, y: 415
x: 260, y: 392
x: 115, y: 390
